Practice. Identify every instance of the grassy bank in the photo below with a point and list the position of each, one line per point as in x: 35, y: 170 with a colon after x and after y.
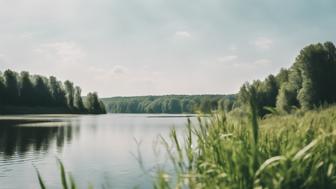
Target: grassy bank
x: 292, y: 151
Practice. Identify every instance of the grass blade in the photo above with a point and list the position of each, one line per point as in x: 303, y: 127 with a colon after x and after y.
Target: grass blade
x: 42, y: 185
x: 63, y: 175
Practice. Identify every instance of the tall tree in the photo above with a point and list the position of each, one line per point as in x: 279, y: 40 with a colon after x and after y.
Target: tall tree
x: 42, y: 95
x: 57, y: 92
x: 317, y: 64
x: 70, y: 92
x: 287, y: 98
x: 12, y: 88
x: 93, y: 105
x: 2, y: 89
x: 78, y: 101
x: 271, y: 90
x: 282, y: 76
x: 26, y: 89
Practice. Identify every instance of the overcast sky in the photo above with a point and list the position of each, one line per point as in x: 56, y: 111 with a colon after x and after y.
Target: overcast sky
x: 141, y: 47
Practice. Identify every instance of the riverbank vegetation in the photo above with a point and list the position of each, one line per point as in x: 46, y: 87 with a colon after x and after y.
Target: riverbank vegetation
x: 22, y: 93
x: 281, y: 133
x: 292, y: 151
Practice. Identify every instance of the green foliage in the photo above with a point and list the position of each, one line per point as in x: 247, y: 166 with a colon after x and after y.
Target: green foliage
x: 282, y: 76
x: 78, y: 101
x: 70, y: 92
x: 41, y: 182
x: 286, y: 98
x: 11, y: 93
x: 174, y: 106
x: 266, y: 93
x: 310, y: 82
x: 94, y: 105
x: 318, y: 67
x: 25, y: 90
x: 168, y: 103
x: 2, y: 90
x: 205, y: 106
x: 289, y: 152
x: 56, y: 91
x: 41, y: 91
x: 228, y: 105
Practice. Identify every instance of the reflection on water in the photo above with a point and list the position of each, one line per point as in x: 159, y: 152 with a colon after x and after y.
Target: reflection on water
x: 94, y: 148
x: 22, y: 139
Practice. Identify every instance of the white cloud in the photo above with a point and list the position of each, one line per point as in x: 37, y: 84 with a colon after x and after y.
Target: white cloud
x: 263, y: 62
x: 183, y: 34
x: 228, y: 58
x: 263, y: 43
x: 26, y: 35
x: 233, y: 48
x: 65, y: 52
x: 116, y: 71
x: 119, y: 70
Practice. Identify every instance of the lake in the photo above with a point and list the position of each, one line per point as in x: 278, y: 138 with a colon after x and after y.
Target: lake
x: 99, y: 150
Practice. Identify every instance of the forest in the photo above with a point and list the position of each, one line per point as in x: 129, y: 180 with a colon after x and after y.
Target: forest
x: 310, y: 82
x: 169, y: 104
x: 25, y: 93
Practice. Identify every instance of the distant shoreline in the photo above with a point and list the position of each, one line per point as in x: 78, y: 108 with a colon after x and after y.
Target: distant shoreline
x: 20, y: 110
x: 17, y: 119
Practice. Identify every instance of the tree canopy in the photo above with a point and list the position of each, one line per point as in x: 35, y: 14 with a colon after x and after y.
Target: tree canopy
x: 309, y: 82
x: 169, y: 104
x: 25, y: 90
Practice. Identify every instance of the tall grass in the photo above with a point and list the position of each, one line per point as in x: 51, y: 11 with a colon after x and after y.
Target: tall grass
x: 287, y: 152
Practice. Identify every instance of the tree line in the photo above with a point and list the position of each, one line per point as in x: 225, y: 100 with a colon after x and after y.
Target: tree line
x: 169, y: 104
x: 310, y: 82
x: 19, y: 90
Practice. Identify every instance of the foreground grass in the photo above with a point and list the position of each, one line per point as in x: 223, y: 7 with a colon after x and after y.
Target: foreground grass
x: 287, y: 152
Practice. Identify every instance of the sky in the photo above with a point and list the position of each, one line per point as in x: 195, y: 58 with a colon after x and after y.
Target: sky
x: 155, y: 47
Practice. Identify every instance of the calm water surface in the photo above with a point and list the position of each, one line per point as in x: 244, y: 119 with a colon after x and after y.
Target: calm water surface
x: 97, y: 150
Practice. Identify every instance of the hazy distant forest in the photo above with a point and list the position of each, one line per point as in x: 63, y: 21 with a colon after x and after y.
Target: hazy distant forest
x: 308, y: 83
x: 169, y: 104
x: 25, y: 93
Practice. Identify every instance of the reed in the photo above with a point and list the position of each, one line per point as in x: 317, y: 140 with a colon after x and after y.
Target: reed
x: 279, y: 152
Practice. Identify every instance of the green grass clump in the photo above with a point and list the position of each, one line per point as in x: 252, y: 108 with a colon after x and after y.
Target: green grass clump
x: 287, y: 152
